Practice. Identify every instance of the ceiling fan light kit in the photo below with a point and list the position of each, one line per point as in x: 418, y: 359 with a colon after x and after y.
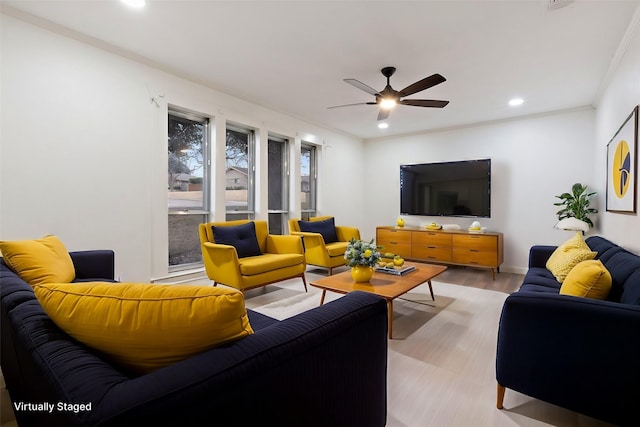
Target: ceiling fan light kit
x: 388, y: 103
x: 388, y: 97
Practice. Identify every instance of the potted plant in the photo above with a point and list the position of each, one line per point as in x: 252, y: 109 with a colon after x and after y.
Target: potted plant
x: 362, y: 257
x: 576, y: 204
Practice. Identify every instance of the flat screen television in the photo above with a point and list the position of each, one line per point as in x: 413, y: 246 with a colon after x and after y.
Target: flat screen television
x: 461, y: 188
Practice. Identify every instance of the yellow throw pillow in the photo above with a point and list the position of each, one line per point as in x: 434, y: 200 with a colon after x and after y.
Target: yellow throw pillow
x: 144, y: 327
x: 589, y: 279
x: 568, y: 255
x: 39, y: 261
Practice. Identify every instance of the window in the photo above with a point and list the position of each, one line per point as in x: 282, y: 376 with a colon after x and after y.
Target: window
x: 308, y: 182
x: 188, y: 172
x: 278, y: 170
x: 239, y: 189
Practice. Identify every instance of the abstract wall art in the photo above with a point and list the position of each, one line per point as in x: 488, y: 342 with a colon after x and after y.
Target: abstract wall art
x: 622, y: 165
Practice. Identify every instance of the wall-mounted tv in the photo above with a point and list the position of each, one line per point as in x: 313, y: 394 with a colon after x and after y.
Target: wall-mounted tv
x: 461, y: 188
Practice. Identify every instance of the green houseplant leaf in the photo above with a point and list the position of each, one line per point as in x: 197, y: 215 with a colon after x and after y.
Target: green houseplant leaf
x: 576, y: 204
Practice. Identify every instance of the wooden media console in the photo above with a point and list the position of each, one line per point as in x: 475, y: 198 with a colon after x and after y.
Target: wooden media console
x: 453, y: 247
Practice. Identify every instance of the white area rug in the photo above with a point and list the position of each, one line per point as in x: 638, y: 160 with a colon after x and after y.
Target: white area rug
x: 289, y: 306
x: 441, y: 368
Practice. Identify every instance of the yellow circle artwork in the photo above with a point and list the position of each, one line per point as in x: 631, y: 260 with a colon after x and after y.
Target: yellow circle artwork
x: 621, y: 170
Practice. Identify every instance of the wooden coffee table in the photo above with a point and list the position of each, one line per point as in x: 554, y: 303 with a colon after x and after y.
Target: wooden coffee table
x: 388, y: 286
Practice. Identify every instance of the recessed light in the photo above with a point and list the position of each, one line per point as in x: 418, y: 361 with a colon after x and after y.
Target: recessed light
x: 516, y: 101
x: 383, y: 125
x: 138, y: 4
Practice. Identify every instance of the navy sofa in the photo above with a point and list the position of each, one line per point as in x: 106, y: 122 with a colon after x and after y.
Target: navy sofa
x: 578, y: 353
x: 324, y: 367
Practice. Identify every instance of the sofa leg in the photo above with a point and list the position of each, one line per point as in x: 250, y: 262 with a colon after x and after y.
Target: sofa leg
x: 304, y: 281
x: 501, y: 390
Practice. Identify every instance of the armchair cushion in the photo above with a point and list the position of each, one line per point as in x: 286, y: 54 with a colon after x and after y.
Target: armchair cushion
x: 144, y: 327
x: 250, y: 266
x: 327, y: 228
x: 242, y: 237
x: 568, y: 255
x: 39, y: 261
x: 588, y: 279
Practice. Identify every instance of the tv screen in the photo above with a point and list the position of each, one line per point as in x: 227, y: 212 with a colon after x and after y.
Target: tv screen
x: 461, y: 188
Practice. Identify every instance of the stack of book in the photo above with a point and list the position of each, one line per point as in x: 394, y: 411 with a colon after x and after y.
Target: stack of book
x: 398, y: 271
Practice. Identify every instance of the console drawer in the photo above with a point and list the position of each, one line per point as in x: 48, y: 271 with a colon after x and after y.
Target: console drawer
x: 431, y: 253
x: 397, y: 236
x: 395, y: 241
x: 431, y: 238
x: 475, y: 257
x: 475, y: 241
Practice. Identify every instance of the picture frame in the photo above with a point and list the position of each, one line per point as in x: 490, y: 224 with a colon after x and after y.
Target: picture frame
x: 622, y: 166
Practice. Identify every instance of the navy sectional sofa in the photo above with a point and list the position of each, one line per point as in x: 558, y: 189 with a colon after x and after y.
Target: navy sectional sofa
x: 324, y: 367
x: 578, y: 353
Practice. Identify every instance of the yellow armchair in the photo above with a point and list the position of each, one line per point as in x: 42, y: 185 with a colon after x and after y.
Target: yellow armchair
x: 279, y: 257
x: 319, y: 253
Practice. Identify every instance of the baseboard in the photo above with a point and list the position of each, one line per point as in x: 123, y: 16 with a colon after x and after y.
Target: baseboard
x: 514, y: 270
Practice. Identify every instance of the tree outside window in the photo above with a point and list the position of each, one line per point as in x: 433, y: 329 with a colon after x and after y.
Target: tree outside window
x: 186, y: 187
x: 239, y: 185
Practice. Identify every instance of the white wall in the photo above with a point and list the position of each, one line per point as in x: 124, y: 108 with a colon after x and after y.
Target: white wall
x: 83, y: 154
x: 533, y: 159
x: 621, y: 95
x: 83, y: 148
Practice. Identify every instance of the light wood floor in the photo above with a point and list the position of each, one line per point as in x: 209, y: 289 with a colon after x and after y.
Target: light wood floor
x: 465, y: 276
x: 478, y: 278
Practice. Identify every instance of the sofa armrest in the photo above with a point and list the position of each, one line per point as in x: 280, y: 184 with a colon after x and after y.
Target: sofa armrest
x: 221, y: 263
x: 574, y: 352
x: 539, y: 254
x: 98, y: 264
x: 277, y: 244
x: 310, y: 239
x: 346, y: 233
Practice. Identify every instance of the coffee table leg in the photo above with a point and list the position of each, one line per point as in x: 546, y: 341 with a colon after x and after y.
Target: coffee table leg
x: 390, y: 314
x: 431, y: 290
x: 324, y: 292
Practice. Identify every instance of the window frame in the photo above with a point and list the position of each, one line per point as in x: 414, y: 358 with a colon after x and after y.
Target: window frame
x: 205, y: 209
x: 285, y: 174
x: 312, y: 209
x: 251, y: 170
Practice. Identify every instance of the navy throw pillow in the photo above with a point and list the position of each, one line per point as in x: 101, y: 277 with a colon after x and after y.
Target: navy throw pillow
x: 325, y: 227
x: 242, y: 237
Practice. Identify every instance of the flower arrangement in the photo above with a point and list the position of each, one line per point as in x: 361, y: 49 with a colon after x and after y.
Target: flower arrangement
x: 360, y: 252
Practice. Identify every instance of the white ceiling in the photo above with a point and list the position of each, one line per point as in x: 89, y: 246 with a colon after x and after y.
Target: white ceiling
x: 292, y: 56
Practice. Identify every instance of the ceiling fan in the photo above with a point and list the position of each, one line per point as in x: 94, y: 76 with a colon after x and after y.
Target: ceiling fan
x: 388, y: 97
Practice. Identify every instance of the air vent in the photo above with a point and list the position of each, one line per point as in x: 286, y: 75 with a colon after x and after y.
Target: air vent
x: 557, y: 4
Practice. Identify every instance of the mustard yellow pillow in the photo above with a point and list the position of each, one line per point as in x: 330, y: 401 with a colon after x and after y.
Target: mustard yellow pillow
x: 568, y: 255
x: 144, y: 327
x: 39, y: 261
x: 589, y: 279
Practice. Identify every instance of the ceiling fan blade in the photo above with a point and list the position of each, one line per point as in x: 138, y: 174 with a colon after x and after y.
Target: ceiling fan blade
x: 424, y: 103
x: 362, y: 86
x: 383, y: 114
x: 423, y: 84
x: 351, y: 105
